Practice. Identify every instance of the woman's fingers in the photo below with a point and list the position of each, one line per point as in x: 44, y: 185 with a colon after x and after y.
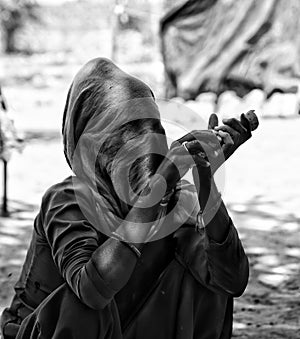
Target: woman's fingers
x: 246, y: 122
x: 199, y: 148
x: 204, y: 153
x: 235, y: 124
x: 213, y: 121
x: 202, y: 136
x: 225, y: 137
x: 193, y: 147
x: 231, y: 131
x: 189, y: 154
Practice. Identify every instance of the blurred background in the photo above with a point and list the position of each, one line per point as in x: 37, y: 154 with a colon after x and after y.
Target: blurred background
x: 220, y: 56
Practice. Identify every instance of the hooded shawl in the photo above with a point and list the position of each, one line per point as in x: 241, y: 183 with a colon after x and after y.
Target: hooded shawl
x: 114, y: 142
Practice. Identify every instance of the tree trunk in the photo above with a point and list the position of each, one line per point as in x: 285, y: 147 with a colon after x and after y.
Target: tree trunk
x: 10, y: 41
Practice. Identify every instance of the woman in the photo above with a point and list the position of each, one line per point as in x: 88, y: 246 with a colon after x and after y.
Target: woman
x: 115, y: 252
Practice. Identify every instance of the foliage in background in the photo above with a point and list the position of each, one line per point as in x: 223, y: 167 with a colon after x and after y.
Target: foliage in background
x: 13, y: 16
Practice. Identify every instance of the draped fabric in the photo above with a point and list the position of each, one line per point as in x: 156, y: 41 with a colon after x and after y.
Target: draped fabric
x: 110, y: 122
x: 114, y: 142
x: 177, y: 307
x: 218, y: 45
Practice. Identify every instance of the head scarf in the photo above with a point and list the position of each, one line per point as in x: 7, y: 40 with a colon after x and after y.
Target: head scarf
x: 113, y: 138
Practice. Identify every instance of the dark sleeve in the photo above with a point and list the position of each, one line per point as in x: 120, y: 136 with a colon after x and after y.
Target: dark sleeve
x: 73, y: 240
x: 220, y: 267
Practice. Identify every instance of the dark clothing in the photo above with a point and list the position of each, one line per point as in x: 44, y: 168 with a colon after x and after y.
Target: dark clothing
x: 193, y: 297
x: 77, y: 283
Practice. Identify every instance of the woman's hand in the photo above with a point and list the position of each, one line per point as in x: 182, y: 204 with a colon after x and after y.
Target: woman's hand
x: 238, y: 131
x: 185, y: 153
x: 179, y: 159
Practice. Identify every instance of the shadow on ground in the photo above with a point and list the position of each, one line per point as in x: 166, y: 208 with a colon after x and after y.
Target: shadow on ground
x: 15, y: 234
x: 270, y: 307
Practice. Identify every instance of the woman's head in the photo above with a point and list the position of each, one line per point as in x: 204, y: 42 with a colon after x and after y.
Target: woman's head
x: 112, y: 132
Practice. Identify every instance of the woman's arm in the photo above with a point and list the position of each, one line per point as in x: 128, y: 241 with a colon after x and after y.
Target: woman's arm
x: 215, y: 216
x: 215, y: 255
x: 95, y: 267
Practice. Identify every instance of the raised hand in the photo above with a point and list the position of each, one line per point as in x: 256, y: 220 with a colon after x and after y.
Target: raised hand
x: 234, y: 131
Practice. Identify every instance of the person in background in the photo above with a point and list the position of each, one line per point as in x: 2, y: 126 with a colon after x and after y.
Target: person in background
x: 10, y: 141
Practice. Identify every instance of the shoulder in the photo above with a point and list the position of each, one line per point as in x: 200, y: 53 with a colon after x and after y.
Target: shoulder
x: 68, y: 196
x: 68, y: 190
x: 60, y: 192
x: 67, y: 207
x: 65, y: 203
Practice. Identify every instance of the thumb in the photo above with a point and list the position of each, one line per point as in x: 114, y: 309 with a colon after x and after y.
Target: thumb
x: 245, y: 122
x: 213, y: 121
